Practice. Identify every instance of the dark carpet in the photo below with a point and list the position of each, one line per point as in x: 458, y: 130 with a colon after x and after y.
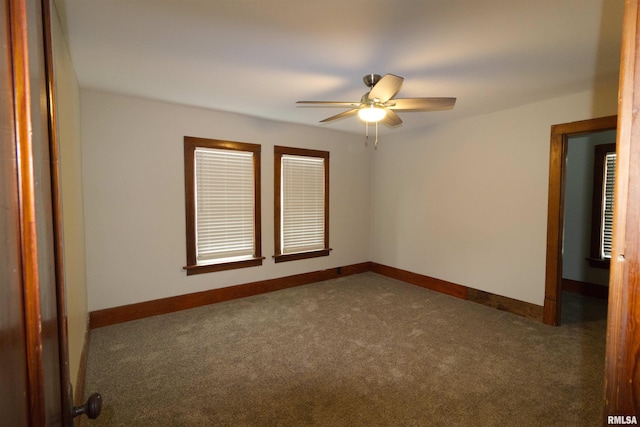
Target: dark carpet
x: 363, y: 350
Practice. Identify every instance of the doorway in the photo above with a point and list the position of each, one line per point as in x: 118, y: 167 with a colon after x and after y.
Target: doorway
x: 560, y: 135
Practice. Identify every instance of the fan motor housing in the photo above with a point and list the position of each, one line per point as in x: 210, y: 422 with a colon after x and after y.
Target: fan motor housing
x: 371, y: 79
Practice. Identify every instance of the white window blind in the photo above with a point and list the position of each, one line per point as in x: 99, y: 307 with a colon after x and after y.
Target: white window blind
x: 303, y: 204
x: 607, y: 204
x: 224, y: 198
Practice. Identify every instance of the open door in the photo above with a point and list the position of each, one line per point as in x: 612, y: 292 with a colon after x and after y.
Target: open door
x: 34, y: 374
x: 622, y: 365
x: 14, y: 384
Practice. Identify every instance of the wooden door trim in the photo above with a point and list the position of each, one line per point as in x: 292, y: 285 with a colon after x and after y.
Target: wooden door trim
x: 560, y: 135
x: 56, y: 200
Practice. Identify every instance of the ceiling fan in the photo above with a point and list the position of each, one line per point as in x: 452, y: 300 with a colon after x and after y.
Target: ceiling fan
x: 379, y: 105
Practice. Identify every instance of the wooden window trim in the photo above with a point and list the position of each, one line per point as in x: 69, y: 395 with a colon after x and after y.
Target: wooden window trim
x: 190, y: 144
x: 277, y: 163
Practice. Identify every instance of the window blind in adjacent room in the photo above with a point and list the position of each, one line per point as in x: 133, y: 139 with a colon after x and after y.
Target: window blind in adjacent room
x: 607, y: 205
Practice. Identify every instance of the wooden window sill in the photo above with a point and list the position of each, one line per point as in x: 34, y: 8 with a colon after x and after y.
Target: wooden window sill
x: 208, y: 268
x: 301, y: 255
x: 599, y: 263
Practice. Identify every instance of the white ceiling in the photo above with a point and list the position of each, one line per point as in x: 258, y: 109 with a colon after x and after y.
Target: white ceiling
x: 258, y: 57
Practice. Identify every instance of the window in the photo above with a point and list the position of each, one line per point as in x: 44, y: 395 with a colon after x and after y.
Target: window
x: 222, y: 195
x: 301, y: 203
x: 602, y: 213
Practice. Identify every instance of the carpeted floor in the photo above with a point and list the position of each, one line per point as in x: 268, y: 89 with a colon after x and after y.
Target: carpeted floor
x: 363, y: 350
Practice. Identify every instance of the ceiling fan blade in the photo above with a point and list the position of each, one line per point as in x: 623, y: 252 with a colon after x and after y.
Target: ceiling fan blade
x: 340, y: 116
x: 391, y: 119
x: 329, y: 104
x: 421, y: 104
x: 386, y: 88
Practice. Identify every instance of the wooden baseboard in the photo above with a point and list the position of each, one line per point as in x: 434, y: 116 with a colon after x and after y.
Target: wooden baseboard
x: 520, y: 308
x: 112, y: 316
x: 437, y: 285
x: 513, y: 306
x: 584, y: 288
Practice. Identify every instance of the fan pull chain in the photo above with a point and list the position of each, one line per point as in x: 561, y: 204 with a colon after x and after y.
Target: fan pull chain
x: 376, y: 143
x: 366, y: 134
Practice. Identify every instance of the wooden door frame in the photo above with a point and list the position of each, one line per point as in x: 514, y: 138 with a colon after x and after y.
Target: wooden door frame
x: 56, y: 200
x: 560, y: 135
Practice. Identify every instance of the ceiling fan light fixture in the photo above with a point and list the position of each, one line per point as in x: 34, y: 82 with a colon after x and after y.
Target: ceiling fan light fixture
x: 371, y: 113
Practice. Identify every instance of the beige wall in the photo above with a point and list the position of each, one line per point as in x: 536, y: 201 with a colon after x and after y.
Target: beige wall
x: 466, y: 201
x: 68, y: 115
x: 134, y: 196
